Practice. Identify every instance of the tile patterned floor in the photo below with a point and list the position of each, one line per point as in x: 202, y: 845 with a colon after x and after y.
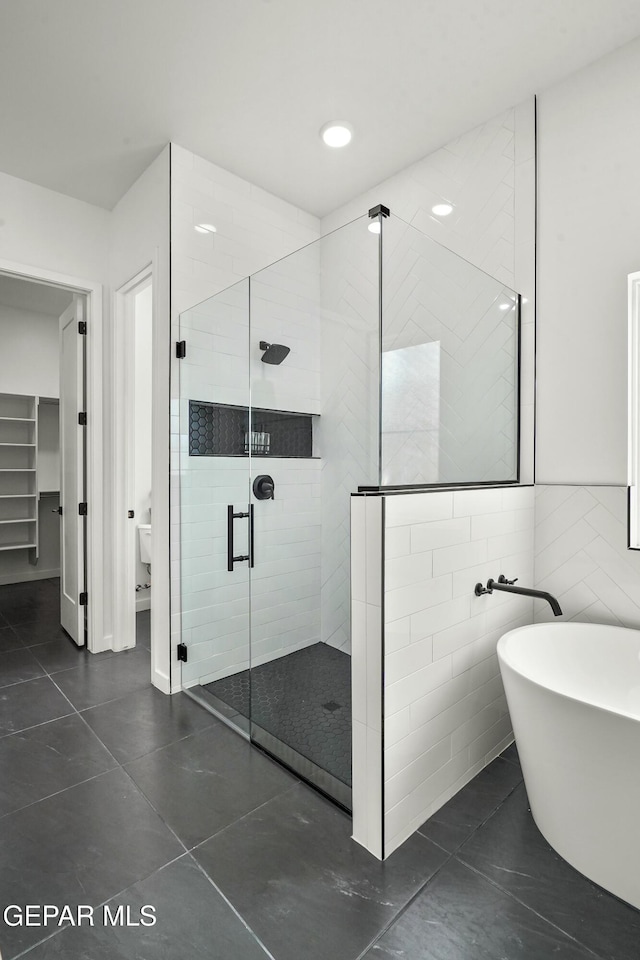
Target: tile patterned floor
x: 112, y: 793
x: 303, y: 699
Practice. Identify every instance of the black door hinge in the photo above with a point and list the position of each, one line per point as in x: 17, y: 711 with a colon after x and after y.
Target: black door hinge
x: 82, y: 419
x: 181, y: 349
x: 84, y: 599
x: 182, y: 652
x: 82, y: 509
x: 82, y: 326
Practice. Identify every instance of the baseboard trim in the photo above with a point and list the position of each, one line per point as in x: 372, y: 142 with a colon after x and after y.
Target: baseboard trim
x: 29, y: 576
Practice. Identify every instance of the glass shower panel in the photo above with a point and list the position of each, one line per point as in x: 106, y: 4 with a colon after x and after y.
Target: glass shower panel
x: 214, y: 497
x: 282, y: 386
x: 449, y: 366
x: 314, y: 359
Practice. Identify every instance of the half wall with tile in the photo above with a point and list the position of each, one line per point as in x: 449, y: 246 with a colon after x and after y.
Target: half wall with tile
x: 428, y: 701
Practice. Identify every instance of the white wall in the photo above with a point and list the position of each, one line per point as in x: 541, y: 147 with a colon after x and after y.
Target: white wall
x: 49, y: 232
x: 139, y: 236
x: 588, y: 241
x: 45, y: 229
x: 29, y: 360
x: 437, y: 705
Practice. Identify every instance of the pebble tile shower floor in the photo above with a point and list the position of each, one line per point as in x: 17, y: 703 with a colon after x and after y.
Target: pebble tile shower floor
x: 303, y: 699
x: 112, y: 793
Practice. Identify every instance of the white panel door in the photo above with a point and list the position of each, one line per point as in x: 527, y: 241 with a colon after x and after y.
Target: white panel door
x: 72, y: 471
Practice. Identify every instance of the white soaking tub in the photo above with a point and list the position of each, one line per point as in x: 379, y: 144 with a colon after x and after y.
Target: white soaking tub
x: 573, y: 691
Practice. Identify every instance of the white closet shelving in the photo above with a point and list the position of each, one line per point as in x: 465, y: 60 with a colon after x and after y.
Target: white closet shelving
x: 18, y: 474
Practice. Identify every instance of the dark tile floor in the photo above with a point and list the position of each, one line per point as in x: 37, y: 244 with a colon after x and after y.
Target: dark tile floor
x: 303, y: 699
x: 111, y: 793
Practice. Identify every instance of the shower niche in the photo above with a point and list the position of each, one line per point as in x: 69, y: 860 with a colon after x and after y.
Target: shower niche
x: 218, y: 430
x: 363, y: 361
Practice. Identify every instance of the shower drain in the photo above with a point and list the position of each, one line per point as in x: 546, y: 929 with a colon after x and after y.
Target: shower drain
x: 332, y: 706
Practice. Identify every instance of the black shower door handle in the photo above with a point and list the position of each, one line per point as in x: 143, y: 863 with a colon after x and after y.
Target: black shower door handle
x: 231, y: 516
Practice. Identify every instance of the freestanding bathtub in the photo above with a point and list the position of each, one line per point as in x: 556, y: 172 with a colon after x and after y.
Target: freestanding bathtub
x: 573, y: 691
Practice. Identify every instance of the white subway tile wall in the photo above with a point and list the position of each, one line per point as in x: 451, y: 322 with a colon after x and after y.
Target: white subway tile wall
x: 445, y: 712
x: 581, y: 555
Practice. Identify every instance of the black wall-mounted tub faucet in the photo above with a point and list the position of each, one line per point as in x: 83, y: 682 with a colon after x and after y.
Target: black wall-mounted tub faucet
x: 506, y: 586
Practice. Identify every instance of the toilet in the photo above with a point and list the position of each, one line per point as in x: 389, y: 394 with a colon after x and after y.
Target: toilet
x: 144, y: 542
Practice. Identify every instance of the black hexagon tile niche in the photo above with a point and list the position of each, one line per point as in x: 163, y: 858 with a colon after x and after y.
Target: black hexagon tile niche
x: 219, y: 430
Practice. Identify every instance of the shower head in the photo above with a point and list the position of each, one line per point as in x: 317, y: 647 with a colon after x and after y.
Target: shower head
x: 274, y: 352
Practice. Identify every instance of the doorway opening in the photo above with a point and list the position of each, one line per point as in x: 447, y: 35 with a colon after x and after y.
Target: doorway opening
x: 43, y: 468
x: 133, y: 450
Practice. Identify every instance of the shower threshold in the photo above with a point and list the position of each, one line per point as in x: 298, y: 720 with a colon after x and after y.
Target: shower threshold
x: 300, y: 707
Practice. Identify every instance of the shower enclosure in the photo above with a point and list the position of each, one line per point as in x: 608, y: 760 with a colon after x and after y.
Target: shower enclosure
x: 371, y: 358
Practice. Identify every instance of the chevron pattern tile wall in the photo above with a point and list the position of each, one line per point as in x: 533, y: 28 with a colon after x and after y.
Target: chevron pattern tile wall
x: 581, y: 555
x: 475, y: 173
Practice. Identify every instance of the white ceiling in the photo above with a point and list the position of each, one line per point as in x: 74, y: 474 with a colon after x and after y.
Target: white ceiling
x: 33, y: 297
x: 93, y: 89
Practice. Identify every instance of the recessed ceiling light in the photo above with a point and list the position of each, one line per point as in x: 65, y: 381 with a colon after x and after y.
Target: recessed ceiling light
x: 337, y: 133
x: 205, y: 228
x: 442, y: 209
x: 374, y: 226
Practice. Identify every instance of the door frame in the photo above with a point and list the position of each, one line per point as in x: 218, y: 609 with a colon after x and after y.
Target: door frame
x: 94, y: 558
x: 160, y: 392
x: 124, y: 633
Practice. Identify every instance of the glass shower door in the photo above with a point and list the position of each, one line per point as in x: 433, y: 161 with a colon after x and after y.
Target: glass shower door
x: 214, y: 503
x: 279, y: 413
